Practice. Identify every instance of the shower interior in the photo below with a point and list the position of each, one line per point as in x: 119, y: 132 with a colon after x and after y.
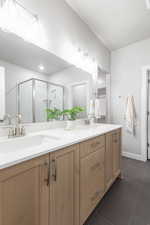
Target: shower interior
x: 35, y: 96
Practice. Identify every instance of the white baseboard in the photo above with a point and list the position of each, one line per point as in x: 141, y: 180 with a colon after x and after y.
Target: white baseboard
x: 133, y: 156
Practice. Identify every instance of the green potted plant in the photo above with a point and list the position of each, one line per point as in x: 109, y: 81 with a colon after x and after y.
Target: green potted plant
x: 53, y: 114
x: 71, y: 115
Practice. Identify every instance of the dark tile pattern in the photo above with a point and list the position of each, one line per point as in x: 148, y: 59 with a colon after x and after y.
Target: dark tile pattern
x: 128, y: 200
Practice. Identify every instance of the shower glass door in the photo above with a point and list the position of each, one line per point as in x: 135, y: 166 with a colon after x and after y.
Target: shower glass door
x: 25, y: 101
x: 41, y: 100
x: 36, y: 96
x: 55, y: 97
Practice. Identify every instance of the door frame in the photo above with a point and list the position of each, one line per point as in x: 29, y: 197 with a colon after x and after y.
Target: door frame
x: 144, y: 110
x: 108, y: 96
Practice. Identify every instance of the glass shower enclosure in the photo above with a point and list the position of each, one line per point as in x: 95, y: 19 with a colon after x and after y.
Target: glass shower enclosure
x: 35, y: 96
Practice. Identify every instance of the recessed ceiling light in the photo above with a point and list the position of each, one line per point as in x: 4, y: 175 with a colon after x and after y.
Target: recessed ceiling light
x: 148, y: 4
x: 41, y: 67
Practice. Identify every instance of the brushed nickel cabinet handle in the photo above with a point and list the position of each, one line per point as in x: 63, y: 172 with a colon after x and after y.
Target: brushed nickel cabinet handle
x: 54, y: 170
x: 47, y: 174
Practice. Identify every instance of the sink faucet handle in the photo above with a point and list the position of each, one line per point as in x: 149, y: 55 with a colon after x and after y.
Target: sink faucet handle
x: 11, y: 132
x: 23, y: 131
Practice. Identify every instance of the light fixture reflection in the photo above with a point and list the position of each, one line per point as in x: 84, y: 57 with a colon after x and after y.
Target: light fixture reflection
x: 14, y: 18
x: 41, y: 67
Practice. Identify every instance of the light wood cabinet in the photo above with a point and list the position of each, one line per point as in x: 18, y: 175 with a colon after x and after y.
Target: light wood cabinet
x: 99, y: 167
x: 109, y: 161
x: 91, y: 182
x: 24, y: 193
x: 112, y: 157
x: 91, y: 145
x: 92, y: 185
x: 42, y: 191
x: 64, y: 187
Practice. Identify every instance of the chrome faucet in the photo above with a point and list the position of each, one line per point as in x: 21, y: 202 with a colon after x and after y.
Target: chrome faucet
x: 17, y: 130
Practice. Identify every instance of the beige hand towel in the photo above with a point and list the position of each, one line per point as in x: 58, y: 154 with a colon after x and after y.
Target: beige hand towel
x: 130, y: 115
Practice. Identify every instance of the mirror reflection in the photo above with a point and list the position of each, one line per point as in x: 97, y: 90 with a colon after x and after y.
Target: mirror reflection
x: 40, y: 86
x: 35, y: 96
x: 30, y: 97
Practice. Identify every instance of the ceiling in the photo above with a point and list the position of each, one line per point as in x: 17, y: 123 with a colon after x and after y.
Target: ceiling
x: 116, y: 22
x: 17, y: 51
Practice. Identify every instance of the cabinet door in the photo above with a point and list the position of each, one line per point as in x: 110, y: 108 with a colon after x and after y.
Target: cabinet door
x: 24, y: 193
x: 116, y: 146
x: 109, y: 161
x: 64, y: 187
x: 91, y: 182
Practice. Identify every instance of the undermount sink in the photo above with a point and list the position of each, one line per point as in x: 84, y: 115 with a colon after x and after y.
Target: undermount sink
x: 20, y: 144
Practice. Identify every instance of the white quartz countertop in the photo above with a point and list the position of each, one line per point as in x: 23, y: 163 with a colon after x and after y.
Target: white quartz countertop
x: 17, y: 150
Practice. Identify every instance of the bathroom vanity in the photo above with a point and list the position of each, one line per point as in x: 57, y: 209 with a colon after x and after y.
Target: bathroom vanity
x: 54, y: 176
x: 62, y: 181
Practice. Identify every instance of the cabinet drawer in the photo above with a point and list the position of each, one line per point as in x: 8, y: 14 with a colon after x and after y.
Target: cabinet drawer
x: 92, y: 145
x: 91, y: 182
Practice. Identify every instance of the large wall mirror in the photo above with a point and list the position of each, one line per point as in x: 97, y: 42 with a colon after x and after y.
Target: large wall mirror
x: 33, y: 80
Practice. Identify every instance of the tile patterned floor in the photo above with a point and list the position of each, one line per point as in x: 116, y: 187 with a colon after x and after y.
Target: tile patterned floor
x: 128, y: 201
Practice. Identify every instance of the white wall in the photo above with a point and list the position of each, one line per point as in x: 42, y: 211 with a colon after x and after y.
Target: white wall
x: 62, y: 26
x: 126, y: 78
